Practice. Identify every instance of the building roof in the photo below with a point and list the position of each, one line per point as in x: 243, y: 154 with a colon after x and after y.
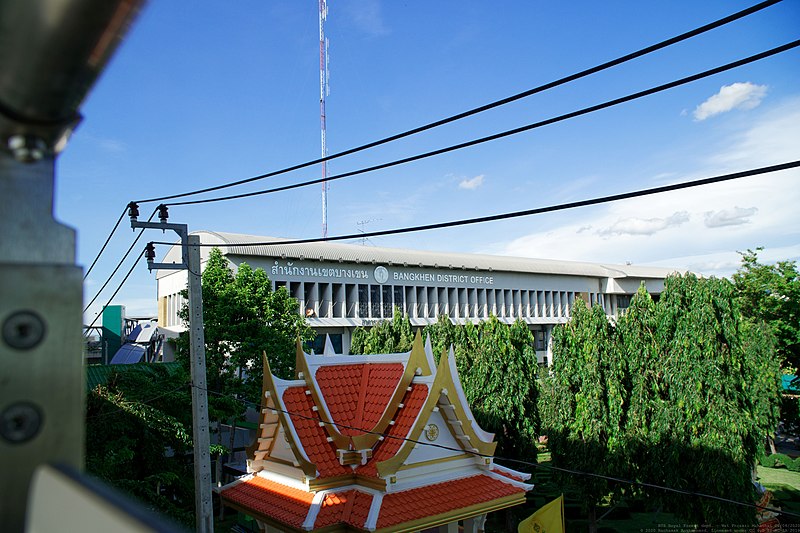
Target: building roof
x: 344, y: 445
x: 231, y: 243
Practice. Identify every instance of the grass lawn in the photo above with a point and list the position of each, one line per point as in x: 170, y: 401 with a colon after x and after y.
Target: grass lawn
x: 785, y: 485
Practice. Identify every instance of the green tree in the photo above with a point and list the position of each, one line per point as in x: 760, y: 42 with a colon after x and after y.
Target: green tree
x: 771, y: 293
x: 497, y: 364
x: 581, y: 403
x: 138, y: 433
x: 706, y: 402
x: 243, y: 317
x: 677, y: 393
x: 390, y: 336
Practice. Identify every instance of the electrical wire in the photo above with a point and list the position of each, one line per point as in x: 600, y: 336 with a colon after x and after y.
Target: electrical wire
x: 642, y: 484
x: 514, y: 131
x: 124, y: 257
x: 492, y: 105
x: 147, y: 402
x: 526, y: 212
x: 118, y: 288
x: 108, y: 239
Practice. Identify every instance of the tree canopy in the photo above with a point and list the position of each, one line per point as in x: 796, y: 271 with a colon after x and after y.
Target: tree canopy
x: 678, y: 393
x: 771, y: 294
x: 243, y: 318
x: 132, y: 421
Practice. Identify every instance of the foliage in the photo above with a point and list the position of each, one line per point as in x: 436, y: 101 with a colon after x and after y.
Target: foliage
x: 678, y: 393
x: 496, y: 364
x: 392, y: 336
x: 243, y: 317
x: 138, y: 430
x: 771, y: 293
x: 777, y: 460
x: 582, y: 400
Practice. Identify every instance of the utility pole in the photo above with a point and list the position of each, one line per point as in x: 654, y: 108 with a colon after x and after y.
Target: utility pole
x: 190, y: 261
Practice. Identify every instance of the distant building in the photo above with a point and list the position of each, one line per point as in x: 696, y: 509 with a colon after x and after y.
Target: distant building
x: 342, y: 286
x: 381, y: 443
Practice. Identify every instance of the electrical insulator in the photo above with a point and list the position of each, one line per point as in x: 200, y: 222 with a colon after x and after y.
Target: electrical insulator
x: 133, y: 211
x: 163, y: 213
x: 150, y: 252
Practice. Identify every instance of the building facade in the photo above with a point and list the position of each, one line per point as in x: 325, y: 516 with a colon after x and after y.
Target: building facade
x: 342, y: 286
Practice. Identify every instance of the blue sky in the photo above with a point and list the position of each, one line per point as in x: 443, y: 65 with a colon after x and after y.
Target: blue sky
x: 207, y: 92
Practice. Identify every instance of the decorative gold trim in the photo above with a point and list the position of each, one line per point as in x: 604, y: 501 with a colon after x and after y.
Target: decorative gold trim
x: 308, y: 468
x: 316, y: 485
x: 483, y: 447
x: 418, y: 359
x: 376, y: 483
x: 443, y: 380
x: 299, y: 359
x: 440, y: 460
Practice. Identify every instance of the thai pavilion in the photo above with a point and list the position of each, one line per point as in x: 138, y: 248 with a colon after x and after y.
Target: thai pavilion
x: 383, y: 443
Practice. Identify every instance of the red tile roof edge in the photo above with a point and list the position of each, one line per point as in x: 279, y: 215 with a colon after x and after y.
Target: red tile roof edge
x: 450, y: 500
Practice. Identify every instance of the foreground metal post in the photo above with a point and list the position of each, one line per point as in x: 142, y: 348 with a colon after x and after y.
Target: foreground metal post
x: 51, y: 52
x: 190, y: 261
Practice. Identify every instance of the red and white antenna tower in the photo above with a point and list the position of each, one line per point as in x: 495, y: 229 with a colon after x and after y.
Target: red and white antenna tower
x: 323, y: 93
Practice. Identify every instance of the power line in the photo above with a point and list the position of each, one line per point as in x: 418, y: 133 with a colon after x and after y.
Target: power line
x: 528, y: 212
x: 541, y: 88
x: 684, y: 492
x: 514, y: 131
x: 124, y: 257
x: 146, y: 402
x: 108, y: 239
x: 118, y: 287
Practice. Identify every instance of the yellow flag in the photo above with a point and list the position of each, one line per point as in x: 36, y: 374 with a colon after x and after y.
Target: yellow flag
x: 548, y: 519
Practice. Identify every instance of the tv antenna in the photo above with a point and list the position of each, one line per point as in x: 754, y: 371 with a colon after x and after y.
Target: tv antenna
x: 362, y: 228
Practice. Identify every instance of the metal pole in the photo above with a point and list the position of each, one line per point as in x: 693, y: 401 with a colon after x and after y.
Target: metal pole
x: 190, y: 261
x: 51, y: 51
x: 202, y: 458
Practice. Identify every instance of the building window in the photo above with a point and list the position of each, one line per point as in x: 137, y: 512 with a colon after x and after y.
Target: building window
x: 375, y: 300
x: 399, y: 299
x: 363, y: 301
x: 540, y: 340
x: 623, y: 301
x: 386, y: 294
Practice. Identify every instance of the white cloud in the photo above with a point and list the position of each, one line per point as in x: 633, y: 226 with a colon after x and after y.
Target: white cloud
x: 698, y: 229
x: 735, y: 96
x: 472, y: 183
x: 729, y: 217
x: 367, y: 16
x: 644, y: 226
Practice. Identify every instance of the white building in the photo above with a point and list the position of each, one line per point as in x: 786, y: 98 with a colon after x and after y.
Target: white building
x: 342, y: 286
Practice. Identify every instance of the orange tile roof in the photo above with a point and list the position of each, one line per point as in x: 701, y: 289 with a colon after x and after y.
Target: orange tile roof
x: 432, y: 500
x: 314, y: 438
x: 279, y: 502
x: 348, y: 507
x: 357, y: 395
x: 403, y: 422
